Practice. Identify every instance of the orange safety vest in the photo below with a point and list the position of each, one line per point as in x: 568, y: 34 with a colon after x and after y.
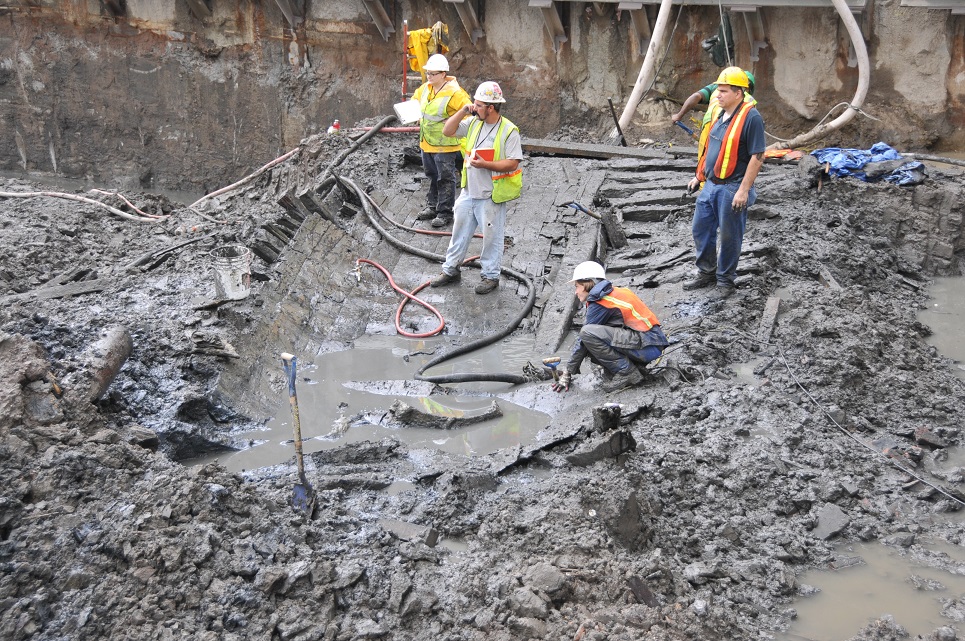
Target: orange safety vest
x: 636, y: 315
x: 727, y: 158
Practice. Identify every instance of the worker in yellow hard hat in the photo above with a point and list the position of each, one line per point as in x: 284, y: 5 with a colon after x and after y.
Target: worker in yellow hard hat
x: 708, y: 95
x: 439, y: 98
x: 728, y: 167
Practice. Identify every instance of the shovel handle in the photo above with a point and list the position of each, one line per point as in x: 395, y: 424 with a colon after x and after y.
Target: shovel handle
x: 290, y: 363
x: 684, y: 127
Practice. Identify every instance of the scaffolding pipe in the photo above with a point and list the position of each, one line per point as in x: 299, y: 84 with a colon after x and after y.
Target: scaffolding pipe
x: 649, y: 68
x: 864, y: 79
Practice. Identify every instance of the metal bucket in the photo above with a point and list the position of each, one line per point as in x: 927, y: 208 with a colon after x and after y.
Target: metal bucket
x: 232, y: 272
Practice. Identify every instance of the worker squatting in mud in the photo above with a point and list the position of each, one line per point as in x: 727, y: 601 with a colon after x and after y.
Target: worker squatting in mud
x: 620, y: 334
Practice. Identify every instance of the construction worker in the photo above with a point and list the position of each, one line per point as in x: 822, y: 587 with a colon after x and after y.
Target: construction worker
x: 728, y: 168
x: 709, y: 95
x: 620, y: 332
x: 491, y: 177
x: 439, y: 98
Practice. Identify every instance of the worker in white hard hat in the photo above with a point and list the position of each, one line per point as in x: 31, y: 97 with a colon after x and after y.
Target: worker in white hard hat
x: 491, y: 178
x: 620, y: 334
x: 439, y: 98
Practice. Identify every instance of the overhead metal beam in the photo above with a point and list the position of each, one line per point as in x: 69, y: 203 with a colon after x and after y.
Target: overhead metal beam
x: 639, y: 22
x: 551, y: 17
x: 955, y: 5
x: 379, y: 17
x: 755, y: 29
x: 468, y: 16
x: 292, y: 13
x: 199, y: 8
x: 728, y: 4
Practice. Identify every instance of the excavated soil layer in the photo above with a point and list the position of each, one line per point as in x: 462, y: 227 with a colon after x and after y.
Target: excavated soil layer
x: 692, y: 513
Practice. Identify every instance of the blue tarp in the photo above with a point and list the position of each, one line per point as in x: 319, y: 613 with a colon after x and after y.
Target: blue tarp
x: 849, y: 162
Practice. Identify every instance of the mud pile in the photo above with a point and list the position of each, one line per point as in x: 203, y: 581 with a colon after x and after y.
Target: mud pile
x: 689, y: 514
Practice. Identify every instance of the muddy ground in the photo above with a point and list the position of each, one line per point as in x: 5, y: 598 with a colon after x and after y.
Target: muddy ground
x: 694, y: 517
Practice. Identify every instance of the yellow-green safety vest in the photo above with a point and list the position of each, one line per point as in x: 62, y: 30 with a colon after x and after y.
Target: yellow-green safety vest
x: 434, y: 116
x: 506, y: 187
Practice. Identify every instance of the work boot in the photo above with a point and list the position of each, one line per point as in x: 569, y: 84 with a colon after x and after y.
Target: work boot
x: 487, y: 285
x: 623, y: 380
x: 441, y: 221
x: 445, y: 279
x: 700, y: 281
x: 426, y: 214
x: 721, y: 292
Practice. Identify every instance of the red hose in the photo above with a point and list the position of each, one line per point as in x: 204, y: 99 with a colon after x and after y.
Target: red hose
x: 407, y: 296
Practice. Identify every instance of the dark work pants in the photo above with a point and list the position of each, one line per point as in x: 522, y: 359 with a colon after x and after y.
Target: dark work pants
x: 441, y: 171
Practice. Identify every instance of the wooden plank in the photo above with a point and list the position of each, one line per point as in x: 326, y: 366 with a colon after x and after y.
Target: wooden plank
x: 768, y: 318
x: 614, y: 230
x: 589, y: 150
x: 827, y: 279
x: 60, y: 291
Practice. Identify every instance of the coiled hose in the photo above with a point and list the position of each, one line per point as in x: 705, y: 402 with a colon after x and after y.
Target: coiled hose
x: 372, y: 214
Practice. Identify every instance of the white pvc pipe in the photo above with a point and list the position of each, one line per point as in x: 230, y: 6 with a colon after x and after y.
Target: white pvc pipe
x: 648, y: 70
x: 864, y: 79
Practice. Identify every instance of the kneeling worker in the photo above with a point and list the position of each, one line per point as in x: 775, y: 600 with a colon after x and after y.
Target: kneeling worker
x: 620, y: 332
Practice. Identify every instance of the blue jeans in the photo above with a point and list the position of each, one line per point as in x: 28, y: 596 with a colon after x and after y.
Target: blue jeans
x: 472, y: 213
x: 715, y: 211
x: 440, y: 169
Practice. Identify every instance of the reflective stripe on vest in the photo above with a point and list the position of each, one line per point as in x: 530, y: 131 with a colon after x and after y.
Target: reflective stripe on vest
x: 434, y: 116
x: 727, y: 157
x: 636, y: 315
x: 713, y: 112
x: 506, y: 187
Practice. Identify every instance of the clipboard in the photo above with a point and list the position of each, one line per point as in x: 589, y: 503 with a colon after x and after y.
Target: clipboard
x: 408, y: 111
x: 486, y: 153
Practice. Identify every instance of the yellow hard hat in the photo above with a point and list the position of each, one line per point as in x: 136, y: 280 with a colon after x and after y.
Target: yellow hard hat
x: 489, y: 92
x: 733, y: 76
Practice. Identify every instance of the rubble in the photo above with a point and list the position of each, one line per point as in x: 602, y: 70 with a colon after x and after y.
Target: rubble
x: 690, y: 517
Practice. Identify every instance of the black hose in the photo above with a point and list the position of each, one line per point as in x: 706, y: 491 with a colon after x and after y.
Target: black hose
x: 515, y: 379
x: 370, y: 212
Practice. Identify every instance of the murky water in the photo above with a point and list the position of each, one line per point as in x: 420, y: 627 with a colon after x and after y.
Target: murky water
x: 946, y: 318
x: 885, y: 583
x: 331, y: 395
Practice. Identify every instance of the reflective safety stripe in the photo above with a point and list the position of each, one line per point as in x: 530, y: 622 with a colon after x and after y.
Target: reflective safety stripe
x: 506, y: 187
x: 636, y: 315
x: 727, y: 157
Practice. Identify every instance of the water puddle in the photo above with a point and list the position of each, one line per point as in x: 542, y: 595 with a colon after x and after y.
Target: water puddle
x: 337, y: 405
x: 945, y: 316
x: 885, y: 583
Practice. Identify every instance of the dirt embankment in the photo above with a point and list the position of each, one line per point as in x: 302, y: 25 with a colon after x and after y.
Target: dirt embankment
x: 695, y: 523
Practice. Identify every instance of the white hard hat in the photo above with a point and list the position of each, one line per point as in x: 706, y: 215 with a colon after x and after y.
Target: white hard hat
x: 588, y: 271
x: 436, y: 62
x: 490, y: 92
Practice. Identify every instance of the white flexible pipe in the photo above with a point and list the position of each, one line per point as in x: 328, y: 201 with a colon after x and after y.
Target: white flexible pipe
x: 648, y: 69
x: 864, y: 79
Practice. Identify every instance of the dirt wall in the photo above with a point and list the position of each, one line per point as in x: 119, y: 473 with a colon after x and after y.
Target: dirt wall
x: 158, y: 97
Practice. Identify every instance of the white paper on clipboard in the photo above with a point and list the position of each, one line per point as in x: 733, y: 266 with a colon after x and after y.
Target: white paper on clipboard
x: 408, y: 111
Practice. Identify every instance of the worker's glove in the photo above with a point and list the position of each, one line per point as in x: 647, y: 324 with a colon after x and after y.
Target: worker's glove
x: 562, y: 384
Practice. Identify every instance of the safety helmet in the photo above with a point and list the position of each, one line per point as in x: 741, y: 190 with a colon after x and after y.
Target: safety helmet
x: 734, y: 76
x: 588, y: 271
x: 750, y: 80
x: 490, y: 92
x: 436, y: 62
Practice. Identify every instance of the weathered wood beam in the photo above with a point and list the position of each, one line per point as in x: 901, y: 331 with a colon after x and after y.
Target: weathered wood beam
x: 199, y: 8
x: 589, y: 150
